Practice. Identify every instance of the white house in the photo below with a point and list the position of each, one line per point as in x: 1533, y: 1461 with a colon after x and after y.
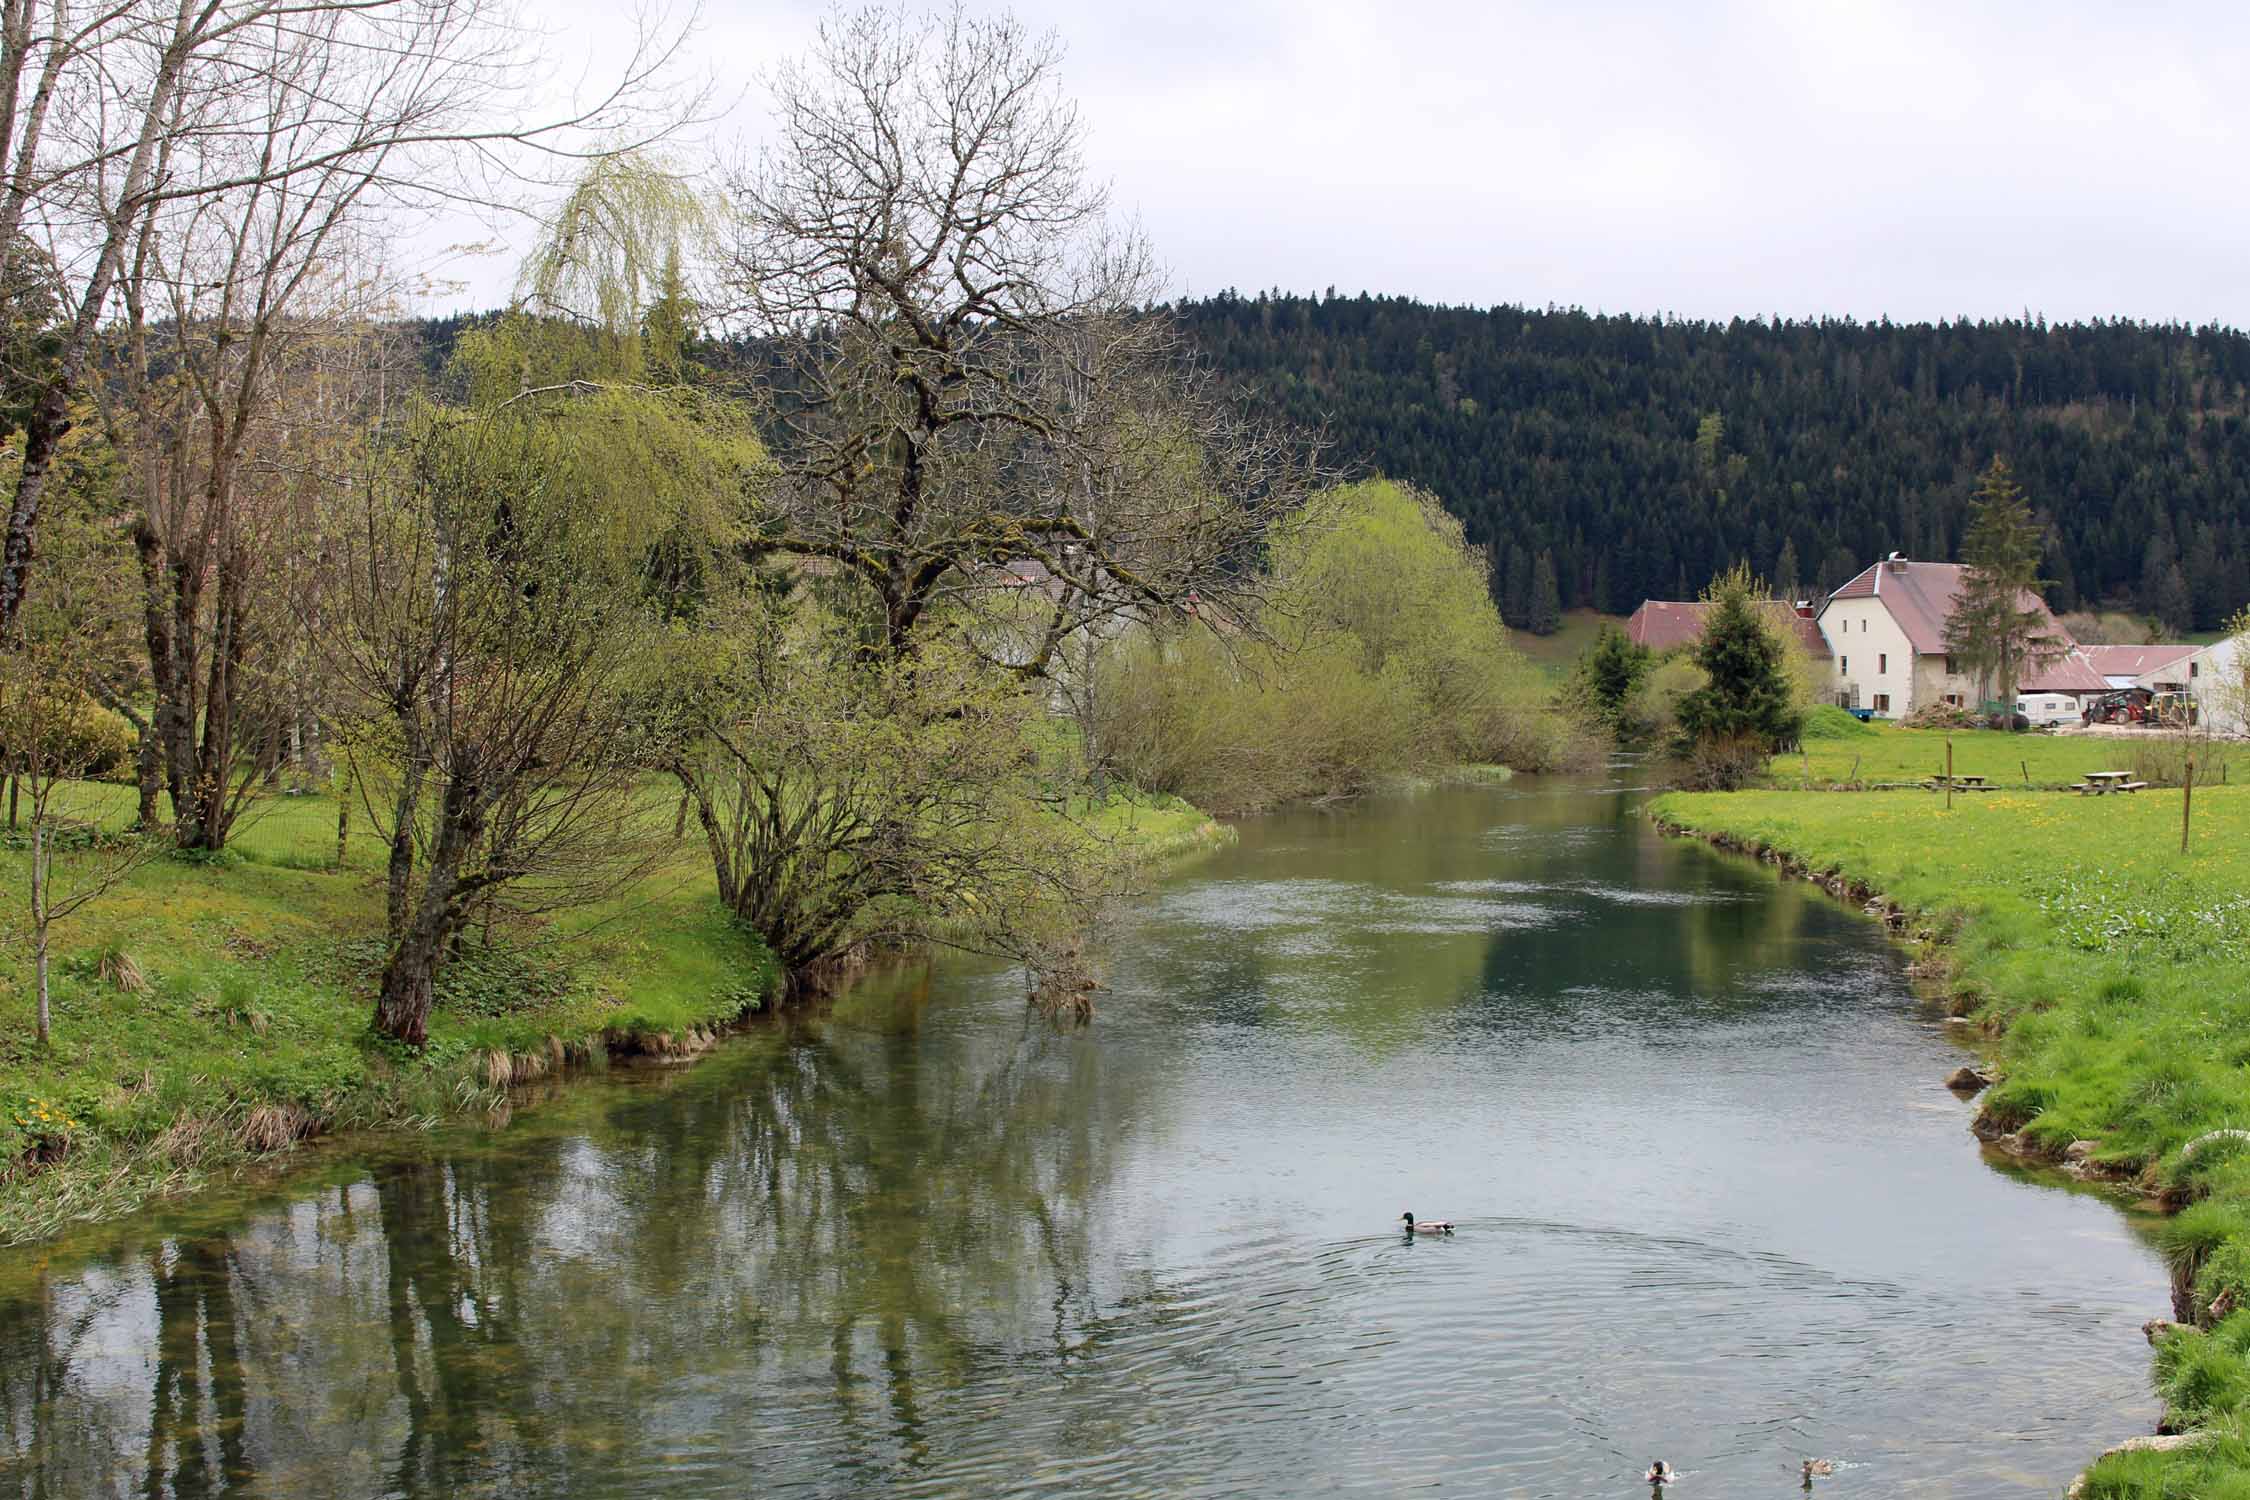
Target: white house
x: 1886, y: 637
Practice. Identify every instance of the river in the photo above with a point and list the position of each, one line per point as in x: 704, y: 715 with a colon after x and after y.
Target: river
x: 1714, y: 1206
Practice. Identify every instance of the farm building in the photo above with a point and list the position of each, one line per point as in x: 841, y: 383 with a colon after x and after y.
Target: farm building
x: 2160, y: 669
x: 1886, y: 633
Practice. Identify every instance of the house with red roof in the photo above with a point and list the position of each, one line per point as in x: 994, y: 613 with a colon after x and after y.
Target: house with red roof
x: 1886, y: 633
x: 1667, y: 625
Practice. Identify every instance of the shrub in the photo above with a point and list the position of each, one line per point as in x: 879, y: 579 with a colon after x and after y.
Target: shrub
x: 1828, y: 722
x: 96, y: 743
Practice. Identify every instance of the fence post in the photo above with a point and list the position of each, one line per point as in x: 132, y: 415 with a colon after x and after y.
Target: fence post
x: 2187, y: 803
x: 2026, y: 771
x: 1949, y: 773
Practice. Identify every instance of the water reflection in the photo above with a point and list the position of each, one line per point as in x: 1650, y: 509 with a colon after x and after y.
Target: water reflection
x: 923, y: 1245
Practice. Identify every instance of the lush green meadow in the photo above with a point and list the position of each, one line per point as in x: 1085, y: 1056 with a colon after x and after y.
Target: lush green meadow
x: 1874, y: 753
x: 2113, y: 972
x: 1556, y: 654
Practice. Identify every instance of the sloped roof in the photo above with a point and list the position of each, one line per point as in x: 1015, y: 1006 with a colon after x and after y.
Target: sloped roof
x: 2136, y: 661
x: 1664, y: 624
x: 1920, y: 596
x: 2069, y: 673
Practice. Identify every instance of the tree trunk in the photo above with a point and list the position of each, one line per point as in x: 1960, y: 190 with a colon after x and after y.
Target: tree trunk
x: 150, y: 778
x: 402, y: 1011
x: 39, y: 854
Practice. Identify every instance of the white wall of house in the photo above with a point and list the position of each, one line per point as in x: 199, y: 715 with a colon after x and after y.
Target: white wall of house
x: 2220, y: 685
x: 1868, y: 652
x: 1935, y: 681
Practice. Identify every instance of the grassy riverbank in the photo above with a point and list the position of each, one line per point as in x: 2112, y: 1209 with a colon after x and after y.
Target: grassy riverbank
x: 2112, y: 975
x: 206, y: 1014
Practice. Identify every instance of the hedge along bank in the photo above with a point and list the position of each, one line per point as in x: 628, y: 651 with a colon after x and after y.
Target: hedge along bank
x: 2109, y: 976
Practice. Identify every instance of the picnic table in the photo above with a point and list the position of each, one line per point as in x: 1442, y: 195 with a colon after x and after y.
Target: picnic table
x: 2099, y: 782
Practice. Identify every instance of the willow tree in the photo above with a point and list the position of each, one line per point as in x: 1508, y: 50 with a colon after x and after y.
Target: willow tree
x: 970, y: 395
x: 492, y: 615
x: 1998, y: 628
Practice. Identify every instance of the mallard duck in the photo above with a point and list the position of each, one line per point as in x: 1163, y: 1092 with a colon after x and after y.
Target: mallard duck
x: 1427, y: 1226
x: 1815, y: 1466
x: 1660, y: 1472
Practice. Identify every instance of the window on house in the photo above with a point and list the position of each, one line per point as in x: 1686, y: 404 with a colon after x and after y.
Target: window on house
x: 1953, y: 700
x: 1883, y: 662
x: 1882, y: 703
x: 1951, y: 670
x: 1843, y: 666
x: 2194, y: 667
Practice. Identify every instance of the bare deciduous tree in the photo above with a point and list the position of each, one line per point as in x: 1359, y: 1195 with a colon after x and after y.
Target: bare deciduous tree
x: 118, y: 116
x: 973, y: 395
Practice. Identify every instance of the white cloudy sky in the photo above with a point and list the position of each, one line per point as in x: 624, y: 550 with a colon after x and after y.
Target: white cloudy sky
x: 1909, y: 158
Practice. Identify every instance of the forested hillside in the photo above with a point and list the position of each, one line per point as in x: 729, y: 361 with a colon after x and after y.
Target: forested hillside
x: 1643, y: 455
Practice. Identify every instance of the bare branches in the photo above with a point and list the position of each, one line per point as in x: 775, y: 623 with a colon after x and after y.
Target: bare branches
x: 972, y: 397
x: 229, y: 147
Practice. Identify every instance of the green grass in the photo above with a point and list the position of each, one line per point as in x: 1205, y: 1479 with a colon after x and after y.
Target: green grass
x: 1156, y: 827
x: 250, y: 1029
x: 2114, y: 973
x: 1887, y: 753
x: 1558, y: 653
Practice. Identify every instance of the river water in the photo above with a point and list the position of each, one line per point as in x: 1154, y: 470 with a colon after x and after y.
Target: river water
x: 1714, y: 1206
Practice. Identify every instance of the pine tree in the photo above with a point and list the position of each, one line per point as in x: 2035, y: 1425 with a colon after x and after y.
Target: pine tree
x: 2175, y: 609
x: 1609, y: 672
x: 1998, y: 627
x: 1515, y: 589
x: 1785, y: 572
x: 1546, y: 598
x: 1745, y: 710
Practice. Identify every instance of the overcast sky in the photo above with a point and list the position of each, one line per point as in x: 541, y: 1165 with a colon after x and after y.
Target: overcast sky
x: 1909, y: 158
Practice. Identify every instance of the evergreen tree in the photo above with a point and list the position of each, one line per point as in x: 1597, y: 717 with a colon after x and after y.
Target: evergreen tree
x: 1846, y: 437
x: 2175, y: 609
x: 1515, y: 588
x: 1997, y: 628
x: 1785, y: 581
x: 1546, y: 599
x: 1746, y: 709
x: 1607, y: 674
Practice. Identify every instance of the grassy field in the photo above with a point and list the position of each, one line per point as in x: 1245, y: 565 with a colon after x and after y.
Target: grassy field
x: 1887, y: 753
x: 241, y: 1024
x: 1556, y: 654
x: 2114, y: 974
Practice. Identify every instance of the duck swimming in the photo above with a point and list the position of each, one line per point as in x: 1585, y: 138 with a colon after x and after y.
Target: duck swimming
x: 1427, y: 1226
x: 1661, y: 1473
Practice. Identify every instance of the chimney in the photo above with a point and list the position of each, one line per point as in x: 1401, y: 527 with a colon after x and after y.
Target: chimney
x: 1896, y: 562
x: 1803, y: 608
